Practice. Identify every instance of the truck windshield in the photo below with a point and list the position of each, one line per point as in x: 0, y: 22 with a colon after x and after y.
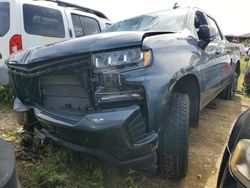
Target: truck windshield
x: 170, y: 20
x: 4, y: 18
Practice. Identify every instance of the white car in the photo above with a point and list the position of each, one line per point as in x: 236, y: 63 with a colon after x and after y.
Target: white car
x: 28, y: 23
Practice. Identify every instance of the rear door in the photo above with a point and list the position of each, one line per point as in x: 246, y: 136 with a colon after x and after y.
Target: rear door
x: 216, y: 71
x: 82, y: 24
x: 221, y: 57
x: 43, y: 24
x: 209, y: 69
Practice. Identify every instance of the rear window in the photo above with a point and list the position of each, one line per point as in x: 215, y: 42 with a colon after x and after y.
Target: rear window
x: 84, y: 25
x: 43, y: 21
x: 4, y: 18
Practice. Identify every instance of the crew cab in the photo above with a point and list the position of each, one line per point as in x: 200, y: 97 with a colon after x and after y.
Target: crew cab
x: 129, y: 94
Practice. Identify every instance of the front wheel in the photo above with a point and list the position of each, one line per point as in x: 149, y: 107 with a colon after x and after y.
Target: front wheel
x: 174, y: 137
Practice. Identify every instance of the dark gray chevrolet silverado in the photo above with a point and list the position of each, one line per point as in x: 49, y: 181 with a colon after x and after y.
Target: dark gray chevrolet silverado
x: 130, y: 94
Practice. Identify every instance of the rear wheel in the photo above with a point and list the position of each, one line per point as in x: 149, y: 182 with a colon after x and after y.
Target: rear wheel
x: 174, y: 137
x: 229, y: 92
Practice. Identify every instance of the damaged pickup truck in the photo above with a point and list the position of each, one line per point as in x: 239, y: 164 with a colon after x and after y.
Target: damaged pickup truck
x: 128, y: 95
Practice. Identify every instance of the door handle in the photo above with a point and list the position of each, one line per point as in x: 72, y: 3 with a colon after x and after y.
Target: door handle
x: 1, y: 56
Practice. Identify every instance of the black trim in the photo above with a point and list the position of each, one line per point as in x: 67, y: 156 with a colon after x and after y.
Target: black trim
x: 148, y: 159
x: 81, y: 8
x: 45, y: 67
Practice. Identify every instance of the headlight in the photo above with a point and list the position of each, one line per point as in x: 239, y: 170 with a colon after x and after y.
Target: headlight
x: 240, y: 162
x: 122, y: 58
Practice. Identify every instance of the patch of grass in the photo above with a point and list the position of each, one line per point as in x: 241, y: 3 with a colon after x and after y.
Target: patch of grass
x: 243, y: 67
x: 242, y: 98
x: 131, y: 179
x: 6, y: 95
x: 60, y: 168
x: 240, y: 82
x: 242, y: 90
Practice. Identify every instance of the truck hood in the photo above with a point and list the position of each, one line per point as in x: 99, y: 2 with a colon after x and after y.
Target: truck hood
x: 88, y: 44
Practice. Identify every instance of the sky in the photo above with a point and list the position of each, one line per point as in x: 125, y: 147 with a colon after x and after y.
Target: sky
x: 233, y: 16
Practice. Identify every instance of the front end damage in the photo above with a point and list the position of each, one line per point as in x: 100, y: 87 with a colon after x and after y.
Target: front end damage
x: 87, y: 110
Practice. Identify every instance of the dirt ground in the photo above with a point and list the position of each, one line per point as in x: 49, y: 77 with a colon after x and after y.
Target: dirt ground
x: 207, y: 144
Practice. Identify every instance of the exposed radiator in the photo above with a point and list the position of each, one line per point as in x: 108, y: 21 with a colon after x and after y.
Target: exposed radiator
x: 65, y: 92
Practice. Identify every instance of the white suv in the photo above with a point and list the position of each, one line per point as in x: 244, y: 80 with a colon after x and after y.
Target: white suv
x: 28, y: 23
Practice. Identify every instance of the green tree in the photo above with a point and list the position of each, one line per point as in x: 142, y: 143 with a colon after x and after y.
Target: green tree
x: 246, y: 42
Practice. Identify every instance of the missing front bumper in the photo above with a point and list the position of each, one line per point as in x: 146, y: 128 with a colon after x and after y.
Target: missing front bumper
x: 104, y: 156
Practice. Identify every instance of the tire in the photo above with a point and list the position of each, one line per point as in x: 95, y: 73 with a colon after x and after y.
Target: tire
x: 174, y: 138
x: 229, y: 92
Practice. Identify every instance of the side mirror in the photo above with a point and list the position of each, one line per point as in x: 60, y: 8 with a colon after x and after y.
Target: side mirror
x: 206, y: 34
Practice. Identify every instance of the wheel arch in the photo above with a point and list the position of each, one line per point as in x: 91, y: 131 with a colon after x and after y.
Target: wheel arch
x: 189, y: 84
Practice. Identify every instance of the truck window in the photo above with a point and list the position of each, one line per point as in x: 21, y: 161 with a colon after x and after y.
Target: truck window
x: 214, y: 24
x: 198, y: 21
x: 43, y: 21
x: 84, y: 25
x: 4, y: 18
x: 77, y: 25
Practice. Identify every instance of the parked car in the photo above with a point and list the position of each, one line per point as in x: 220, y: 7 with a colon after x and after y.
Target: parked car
x: 235, y: 166
x: 130, y: 94
x: 246, y: 57
x: 28, y: 23
x: 8, y: 176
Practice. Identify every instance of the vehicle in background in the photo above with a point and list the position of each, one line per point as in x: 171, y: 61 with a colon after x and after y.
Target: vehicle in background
x: 246, y: 57
x: 8, y: 176
x: 28, y: 23
x: 129, y: 94
x: 242, y: 49
x: 235, y: 166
